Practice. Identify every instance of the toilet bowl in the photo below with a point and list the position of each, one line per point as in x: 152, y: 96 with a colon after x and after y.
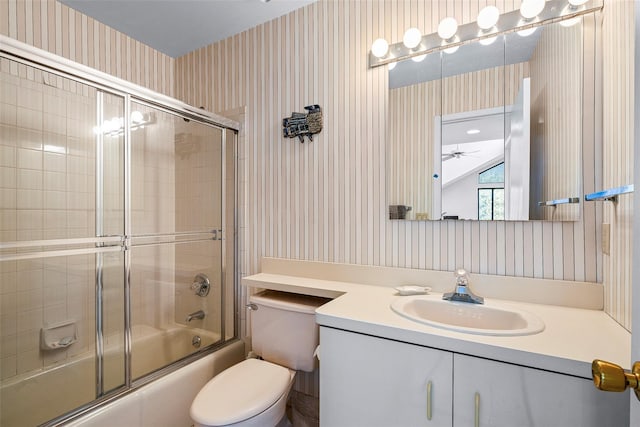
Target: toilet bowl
x: 251, y: 393
x: 254, y: 393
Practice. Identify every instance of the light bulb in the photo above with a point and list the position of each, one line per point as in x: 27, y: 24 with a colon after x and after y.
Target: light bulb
x: 447, y: 28
x: 108, y: 126
x: 488, y: 41
x: 527, y: 32
x: 137, y: 117
x: 392, y: 65
x: 115, y: 124
x: 379, y: 48
x: 577, y: 2
x: 412, y: 38
x: 451, y: 50
x: 529, y: 9
x: 488, y: 17
x: 419, y: 58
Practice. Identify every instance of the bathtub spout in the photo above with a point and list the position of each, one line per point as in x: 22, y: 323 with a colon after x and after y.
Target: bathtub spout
x: 195, y: 315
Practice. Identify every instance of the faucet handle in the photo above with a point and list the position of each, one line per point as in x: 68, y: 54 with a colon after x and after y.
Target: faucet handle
x: 461, y: 275
x: 201, y: 285
x: 460, y: 272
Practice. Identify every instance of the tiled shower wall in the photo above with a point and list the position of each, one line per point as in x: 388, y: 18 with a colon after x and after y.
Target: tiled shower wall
x: 54, y: 190
x: 47, y: 164
x: 153, y: 180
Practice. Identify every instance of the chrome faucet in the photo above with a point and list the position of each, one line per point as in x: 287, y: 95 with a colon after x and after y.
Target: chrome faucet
x: 195, y: 315
x: 462, y: 292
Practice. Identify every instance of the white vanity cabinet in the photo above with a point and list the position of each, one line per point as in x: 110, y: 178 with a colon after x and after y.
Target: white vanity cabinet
x: 511, y: 395
x: 371, y: 381
x: 368, y: 381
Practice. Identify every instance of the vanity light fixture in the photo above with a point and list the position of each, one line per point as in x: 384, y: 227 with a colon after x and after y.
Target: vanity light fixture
x: 115, y: 126
x: 412, y: 38
x: 450, y: 50
x: 393, y: 65
x: 137, y: 117
x: 488, y: 17
x: 489, y: 25
x: 418, y: 58
x: 529, y: 9
x: 447, y: 28
x: 379, y: 48
x: 576, y: 3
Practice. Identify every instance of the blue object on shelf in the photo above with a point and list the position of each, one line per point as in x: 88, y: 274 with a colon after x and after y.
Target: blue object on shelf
x: 610, y: 194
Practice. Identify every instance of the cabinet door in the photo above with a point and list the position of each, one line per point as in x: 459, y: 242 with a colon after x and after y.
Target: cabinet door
x: 511, y: 395
x: 368, y: 381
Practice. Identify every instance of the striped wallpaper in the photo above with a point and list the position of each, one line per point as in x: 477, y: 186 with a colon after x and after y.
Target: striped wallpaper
x: 411, y: 137
x: 411, y: 126
x: 326, y: 200
x: 557, y: 115
x: 54, y: 27
x: 617, y: 151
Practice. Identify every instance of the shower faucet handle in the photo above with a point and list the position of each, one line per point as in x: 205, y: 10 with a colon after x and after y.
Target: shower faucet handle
x: 201, y: 285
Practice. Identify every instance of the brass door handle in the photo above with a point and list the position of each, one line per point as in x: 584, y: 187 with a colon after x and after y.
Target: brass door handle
x: 608, y: 376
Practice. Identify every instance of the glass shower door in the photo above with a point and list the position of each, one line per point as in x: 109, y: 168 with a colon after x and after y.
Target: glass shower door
x: 176, y: 229
x: 61, y: 259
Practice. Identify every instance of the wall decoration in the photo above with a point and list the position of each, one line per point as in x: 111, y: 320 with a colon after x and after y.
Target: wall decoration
x: 303, y: 124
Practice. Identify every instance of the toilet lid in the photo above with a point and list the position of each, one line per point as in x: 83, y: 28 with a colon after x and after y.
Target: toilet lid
x: 240, y: 392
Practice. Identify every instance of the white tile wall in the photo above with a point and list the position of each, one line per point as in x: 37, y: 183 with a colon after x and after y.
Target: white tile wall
x: 36, y: 204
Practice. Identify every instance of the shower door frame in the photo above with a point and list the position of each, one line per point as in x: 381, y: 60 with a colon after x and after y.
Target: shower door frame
x: 28, y: 55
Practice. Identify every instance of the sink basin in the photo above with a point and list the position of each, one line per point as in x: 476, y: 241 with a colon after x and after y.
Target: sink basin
x: 491, y: 318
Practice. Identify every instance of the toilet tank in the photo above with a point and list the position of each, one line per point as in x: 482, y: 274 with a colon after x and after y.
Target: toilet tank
x: 283, y: 328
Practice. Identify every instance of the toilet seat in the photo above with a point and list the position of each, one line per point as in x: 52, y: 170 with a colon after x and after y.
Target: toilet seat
x: 240, y: 392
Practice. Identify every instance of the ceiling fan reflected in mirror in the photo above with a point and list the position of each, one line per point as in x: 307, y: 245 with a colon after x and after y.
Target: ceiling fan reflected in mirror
x: 458, y: 154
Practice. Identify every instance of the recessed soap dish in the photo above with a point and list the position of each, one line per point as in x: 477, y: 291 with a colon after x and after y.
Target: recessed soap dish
x: 58, y: 335
x: 413, y: 290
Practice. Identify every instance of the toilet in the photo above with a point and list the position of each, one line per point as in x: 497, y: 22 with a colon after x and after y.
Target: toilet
x: 254, y: 392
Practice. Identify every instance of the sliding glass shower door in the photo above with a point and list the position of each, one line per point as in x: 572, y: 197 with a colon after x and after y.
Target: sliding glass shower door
x: 117, y: 241
x: 176, y: 229
x: 61, y: 222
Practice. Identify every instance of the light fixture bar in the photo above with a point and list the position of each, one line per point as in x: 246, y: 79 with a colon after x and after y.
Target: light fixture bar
x: 554, y: 11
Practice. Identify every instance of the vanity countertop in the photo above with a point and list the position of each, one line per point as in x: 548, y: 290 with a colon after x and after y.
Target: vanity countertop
x: 572, y: 337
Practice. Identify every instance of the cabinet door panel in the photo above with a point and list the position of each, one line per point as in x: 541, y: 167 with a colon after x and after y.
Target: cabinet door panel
x: 368, y: 381
x: 517, y: 396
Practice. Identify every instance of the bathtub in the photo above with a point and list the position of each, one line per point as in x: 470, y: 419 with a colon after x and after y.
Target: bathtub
x: 34, y: 398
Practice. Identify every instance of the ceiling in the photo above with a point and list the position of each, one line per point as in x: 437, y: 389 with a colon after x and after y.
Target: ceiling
x: 177, y: 27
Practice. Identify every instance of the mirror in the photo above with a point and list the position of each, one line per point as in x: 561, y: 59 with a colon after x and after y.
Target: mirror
x: 491, y: 130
